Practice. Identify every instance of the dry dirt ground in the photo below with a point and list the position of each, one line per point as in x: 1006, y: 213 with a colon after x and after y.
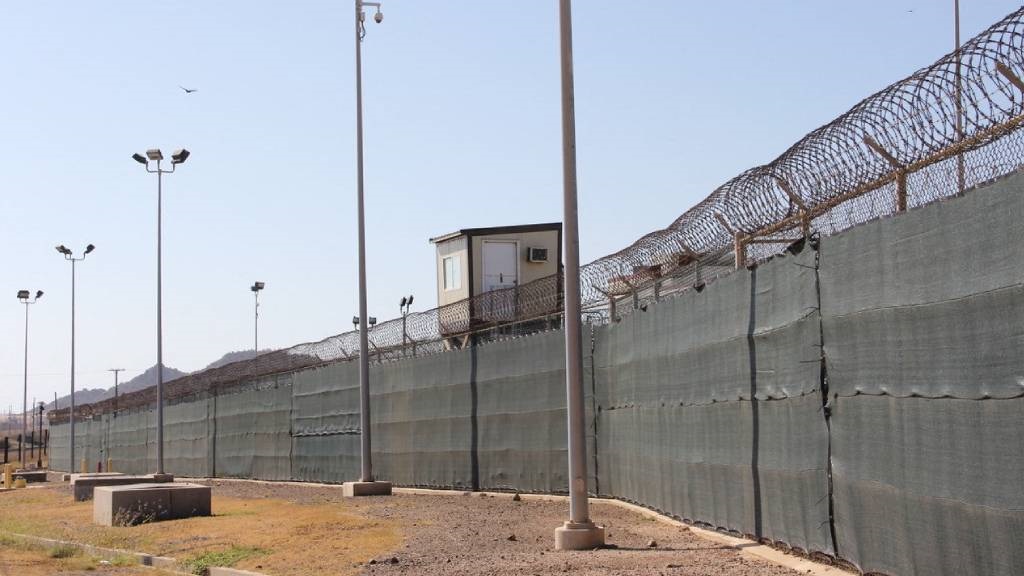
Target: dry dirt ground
x: 474, y: 534
x: 295, y: 529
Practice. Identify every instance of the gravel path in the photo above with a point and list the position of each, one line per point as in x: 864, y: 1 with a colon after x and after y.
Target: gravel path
x: 496, y: 535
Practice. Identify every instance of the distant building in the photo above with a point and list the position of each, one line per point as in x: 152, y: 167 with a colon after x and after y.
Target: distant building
x: 485, y: 268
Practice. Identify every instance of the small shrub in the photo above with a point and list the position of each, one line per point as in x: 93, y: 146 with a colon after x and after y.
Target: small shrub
x: 222, y: 558
x: 63, y: 551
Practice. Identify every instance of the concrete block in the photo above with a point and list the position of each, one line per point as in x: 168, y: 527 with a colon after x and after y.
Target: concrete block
x: 83, y: 485
x: 377, y: 488
x: 31, y: 475
x: 138, y: 503
x: 572, y: 536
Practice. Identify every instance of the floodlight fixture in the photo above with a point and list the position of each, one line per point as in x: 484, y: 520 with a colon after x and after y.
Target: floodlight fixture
x: 373, y: 321
x: 139, y: 158
x: 89, y: 248
x: 402, y: 303
x: 180, y: 156
x: 355, y: 320
x: 410, y: 300
x: 155, y: 154
x: 257, y: 286
x: 39, y: 294
x: 23, y: 294
x: 63, y: 249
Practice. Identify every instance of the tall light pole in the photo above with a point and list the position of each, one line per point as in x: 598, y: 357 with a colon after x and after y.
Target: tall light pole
x: 70, y: 257
x: 178, y: 157
x: 256, y: 287
x: 23, y: 296
x: 366, y: 485
x: 961, y: 176
x: 404, y: 307
x: 578, y: 533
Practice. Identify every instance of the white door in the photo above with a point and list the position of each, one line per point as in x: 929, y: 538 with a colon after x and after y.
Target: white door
x: 501, y: 264
x: 501, y: 270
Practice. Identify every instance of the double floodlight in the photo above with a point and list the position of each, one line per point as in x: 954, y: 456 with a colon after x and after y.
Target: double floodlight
x: 155, y: 155
x: 69, y: 254
x: 405, y: 305
x: 371, y: 321
x: 258, y: 286
x: 24, y: 295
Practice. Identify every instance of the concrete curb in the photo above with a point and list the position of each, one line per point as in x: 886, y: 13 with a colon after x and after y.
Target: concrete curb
x: 162, y: 562
x: 742, y: 545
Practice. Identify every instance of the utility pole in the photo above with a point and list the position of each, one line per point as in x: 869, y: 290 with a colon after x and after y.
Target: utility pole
x: 115, y: 371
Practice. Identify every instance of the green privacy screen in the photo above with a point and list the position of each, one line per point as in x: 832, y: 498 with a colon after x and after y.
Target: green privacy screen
x: 859, y: 398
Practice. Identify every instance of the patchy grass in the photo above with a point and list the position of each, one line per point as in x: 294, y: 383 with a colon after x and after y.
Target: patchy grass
x: 200, y: 563
x: 63, y: 551
x: 20, y: 557
x: 282, y: 532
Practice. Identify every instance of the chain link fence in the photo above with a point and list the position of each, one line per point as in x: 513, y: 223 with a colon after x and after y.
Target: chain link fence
x: 943, y: 130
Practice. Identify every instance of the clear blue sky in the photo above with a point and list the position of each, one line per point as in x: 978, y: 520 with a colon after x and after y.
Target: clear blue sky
x: 462, y: 130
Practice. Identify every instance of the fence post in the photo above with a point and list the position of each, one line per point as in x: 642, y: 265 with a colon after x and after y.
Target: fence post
x: 901, y: 173
x: 7, y: 445
x: 741, y: 251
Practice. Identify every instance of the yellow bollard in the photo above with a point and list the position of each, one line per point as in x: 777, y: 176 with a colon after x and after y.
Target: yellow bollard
x: 8, y: 475
x: 85, y: 470
x: 110, y: 464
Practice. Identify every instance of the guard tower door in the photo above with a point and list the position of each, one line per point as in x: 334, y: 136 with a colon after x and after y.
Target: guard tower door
x: 501, y: 264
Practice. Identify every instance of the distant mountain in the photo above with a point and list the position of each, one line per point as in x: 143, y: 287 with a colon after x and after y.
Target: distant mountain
x: 145, y: 380
x: 233, y: 357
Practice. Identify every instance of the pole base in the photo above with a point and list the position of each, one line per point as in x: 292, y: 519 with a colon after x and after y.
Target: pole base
x: 582, y: 536
x: 375, y: 488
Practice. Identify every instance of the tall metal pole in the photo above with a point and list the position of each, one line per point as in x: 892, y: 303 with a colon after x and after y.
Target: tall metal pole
x: 961, y: 176
x: 366, y: 467
x: 579, y: 532
x: 24, y: 400
x: 39, y: 454
x: 71, y: 467
x: 256, y: 326
x: 159, y: 325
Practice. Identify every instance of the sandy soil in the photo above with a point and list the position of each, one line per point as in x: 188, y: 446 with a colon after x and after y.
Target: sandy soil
x: 471, y: 534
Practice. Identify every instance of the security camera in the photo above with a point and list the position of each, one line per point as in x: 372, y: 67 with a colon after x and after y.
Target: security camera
x: 378, y: 17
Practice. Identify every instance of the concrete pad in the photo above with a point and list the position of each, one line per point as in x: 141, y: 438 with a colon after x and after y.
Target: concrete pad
x: 572, y: 536
x: 76, y: 476
x: 139, y: 503
x: 31, y: 475
x: 376, y: 488
x: 84, y: 485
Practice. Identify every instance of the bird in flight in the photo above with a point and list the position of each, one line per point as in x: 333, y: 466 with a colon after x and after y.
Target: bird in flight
x: 187, y: 90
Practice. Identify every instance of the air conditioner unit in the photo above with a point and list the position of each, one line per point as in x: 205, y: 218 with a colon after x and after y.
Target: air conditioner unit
x: 536, y: 254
